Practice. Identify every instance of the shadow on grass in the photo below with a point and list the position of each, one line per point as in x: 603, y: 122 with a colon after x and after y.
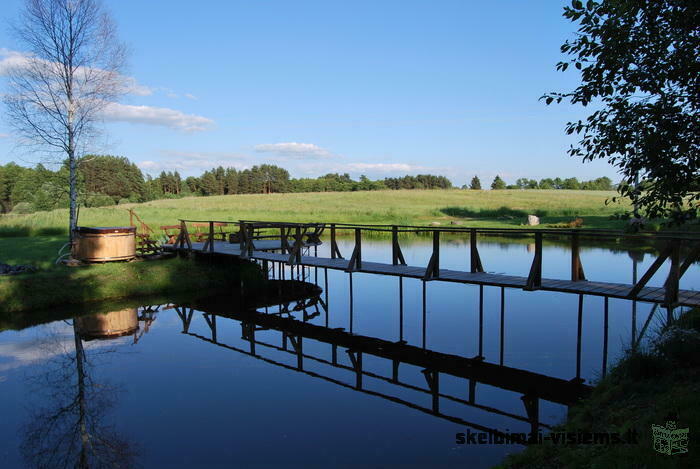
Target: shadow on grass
x: 23, y: 231
x: 62, y: 292
x: 502, y: 212
x: 40, y: 251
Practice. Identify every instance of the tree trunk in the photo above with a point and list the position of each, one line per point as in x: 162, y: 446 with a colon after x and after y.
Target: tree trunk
x: 73, y: 183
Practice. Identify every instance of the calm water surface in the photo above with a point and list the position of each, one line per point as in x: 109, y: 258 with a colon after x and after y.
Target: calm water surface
x: 211, y: 384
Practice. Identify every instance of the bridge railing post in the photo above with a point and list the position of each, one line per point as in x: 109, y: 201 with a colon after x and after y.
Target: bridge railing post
x: 333, y: 243
x: 576, y: 266
x: 475, y: 260
x: 283, y: 239
x: 249, y: 239
x: 355, y: 262
x: 433, y: 269
x: 242, y: 239
x: 394, y: 245
x: 534, y: 280
x: 396, y: 254
x: 185, y: 236
x: 436, y: 253
x: 211, y: 236
x: 673, y: 280
x: 335, y: 252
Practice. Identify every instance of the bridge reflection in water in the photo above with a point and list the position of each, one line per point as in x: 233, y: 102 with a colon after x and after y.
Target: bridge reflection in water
x: 290, y: 319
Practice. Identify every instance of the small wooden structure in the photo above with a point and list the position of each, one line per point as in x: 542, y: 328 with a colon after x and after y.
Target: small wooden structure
x: 145, y: 242
x: 104, y: 244
x: 201, y: 231
x: 109, y: 325
x: 171, y: 233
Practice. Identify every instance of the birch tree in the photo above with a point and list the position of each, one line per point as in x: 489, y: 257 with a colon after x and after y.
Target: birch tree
x: 71, y: 70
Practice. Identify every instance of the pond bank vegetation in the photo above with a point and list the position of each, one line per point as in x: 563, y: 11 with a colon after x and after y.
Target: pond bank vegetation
x: 648, y: 386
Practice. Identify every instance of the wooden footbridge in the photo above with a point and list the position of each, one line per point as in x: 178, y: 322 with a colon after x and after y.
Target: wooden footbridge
x: 290, y: 244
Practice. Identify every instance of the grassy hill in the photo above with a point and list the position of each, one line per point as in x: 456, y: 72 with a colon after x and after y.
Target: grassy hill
x: 414, y: 207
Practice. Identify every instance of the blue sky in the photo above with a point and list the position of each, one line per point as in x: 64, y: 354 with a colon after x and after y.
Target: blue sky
x: 379, y: 87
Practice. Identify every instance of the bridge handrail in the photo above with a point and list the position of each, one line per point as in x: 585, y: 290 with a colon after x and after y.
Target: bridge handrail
x: 600, y: 233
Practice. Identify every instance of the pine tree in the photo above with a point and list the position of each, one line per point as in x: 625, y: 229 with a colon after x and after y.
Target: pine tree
x: 498, y: 183
x: 475, y: 184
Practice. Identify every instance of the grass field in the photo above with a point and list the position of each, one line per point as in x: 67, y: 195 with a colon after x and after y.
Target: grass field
x: 415, y: 207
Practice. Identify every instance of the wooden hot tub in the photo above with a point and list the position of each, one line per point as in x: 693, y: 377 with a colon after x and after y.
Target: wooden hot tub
x: 106, y: 326
x: 105, y: 244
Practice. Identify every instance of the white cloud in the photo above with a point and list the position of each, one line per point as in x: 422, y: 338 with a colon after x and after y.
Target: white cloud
x: 191, y: 96
x: 372, y: 170
x: 56, y: 339
x: 166, y: 117
x: 385, y: 167
x: 10, y: 59
x: 294, y: 150
x: 194, y: 162
x: 132, y: 87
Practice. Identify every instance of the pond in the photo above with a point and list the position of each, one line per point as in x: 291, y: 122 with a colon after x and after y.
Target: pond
x: 318, y: 374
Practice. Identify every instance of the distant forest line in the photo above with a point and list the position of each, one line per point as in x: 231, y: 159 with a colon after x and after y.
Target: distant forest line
x: 108, y: 180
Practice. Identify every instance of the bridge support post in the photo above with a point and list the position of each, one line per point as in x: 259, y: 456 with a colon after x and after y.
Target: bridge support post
x: 605, y: 335
x: 400, y: 308
x: 578, y: 337
x: 503, y: 313
x: 424, y: 311
x: 325, y: 291
x: 352, y: 303
x: 481, y: 323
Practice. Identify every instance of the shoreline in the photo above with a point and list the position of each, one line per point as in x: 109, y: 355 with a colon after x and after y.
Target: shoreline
x: 649, y: 386
x: 74, y: 286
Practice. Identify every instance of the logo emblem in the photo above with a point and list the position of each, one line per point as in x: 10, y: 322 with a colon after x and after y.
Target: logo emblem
x: 669, y: 439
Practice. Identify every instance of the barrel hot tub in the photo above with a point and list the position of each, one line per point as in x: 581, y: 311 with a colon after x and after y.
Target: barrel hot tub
x: 104, y: 244
x: 106, y: 326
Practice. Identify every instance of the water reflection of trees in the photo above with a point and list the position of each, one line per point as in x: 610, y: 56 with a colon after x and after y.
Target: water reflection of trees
x: 69, y: 427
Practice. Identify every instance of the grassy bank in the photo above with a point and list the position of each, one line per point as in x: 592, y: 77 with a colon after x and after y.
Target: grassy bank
x: 506, y: 208
x: 647, y: 387
x: 57, y: 285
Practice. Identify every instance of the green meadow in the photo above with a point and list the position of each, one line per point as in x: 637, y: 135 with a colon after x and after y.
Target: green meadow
x: 503, y: 208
